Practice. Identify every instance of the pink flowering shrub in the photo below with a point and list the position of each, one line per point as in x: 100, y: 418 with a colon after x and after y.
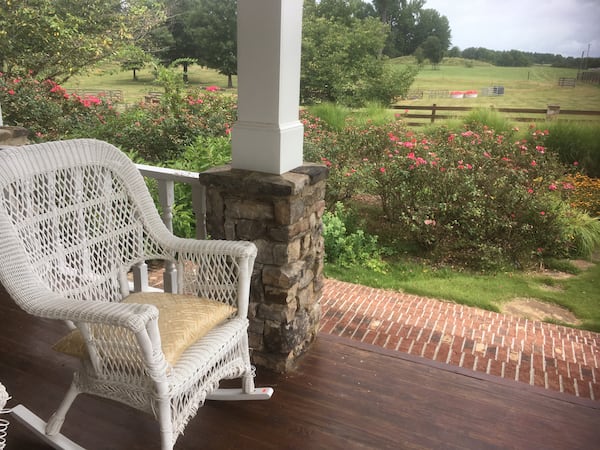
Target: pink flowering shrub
x: 48, y: 110
x: 474, y: 197
x: 160, y: 132
x: 155, y: 132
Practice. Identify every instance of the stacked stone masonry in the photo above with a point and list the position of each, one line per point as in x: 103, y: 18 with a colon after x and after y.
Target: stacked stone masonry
x: 11, y: 136
x: 282, y: 215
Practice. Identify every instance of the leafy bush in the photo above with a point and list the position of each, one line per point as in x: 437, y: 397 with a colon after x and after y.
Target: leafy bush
x: 576, y: 143
x: 477, y: 198
x: 341, y: 63
x: 343, y: 150
x: 48, y: 111
x: 161, y: 132
x: 347, y: 246
x: 204, y: 153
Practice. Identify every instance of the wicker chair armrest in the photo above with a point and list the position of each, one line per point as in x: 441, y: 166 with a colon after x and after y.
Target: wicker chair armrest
x: 235, y: 249
x: 216, y: 269
x: 135, y: 317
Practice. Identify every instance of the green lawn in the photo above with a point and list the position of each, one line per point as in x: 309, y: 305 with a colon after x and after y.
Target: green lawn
x: 111, y: 77
x: 525, y: 87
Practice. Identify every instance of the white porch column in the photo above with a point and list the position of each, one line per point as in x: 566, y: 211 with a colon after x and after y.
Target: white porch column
x: 268, y: 135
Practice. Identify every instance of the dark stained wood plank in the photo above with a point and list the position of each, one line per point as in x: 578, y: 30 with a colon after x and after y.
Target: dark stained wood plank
x: 343, y: 395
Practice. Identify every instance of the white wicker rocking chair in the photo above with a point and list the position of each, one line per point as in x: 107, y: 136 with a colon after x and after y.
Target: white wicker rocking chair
x: 75, y: 216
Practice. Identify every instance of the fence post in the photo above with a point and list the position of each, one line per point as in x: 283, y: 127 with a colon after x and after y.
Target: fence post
x: 553, y: 110
x: 433, y: 113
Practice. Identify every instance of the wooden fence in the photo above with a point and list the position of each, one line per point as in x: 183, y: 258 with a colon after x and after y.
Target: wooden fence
x: 568, y: 82
x: 592, y: 76
x: 430, y: 114
x: 113, y: 95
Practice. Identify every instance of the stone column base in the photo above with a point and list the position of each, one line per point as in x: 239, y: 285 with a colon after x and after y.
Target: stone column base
x: 282, y: 215
x: 13, y: 136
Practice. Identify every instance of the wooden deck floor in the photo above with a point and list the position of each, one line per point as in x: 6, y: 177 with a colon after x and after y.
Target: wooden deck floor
x: 344, y: 395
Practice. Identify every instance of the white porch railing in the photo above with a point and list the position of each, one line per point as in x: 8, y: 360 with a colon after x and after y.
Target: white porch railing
x: 166, y: 179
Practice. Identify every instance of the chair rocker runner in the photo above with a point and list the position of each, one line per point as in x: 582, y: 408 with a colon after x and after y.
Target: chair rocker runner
x: 75, y: 217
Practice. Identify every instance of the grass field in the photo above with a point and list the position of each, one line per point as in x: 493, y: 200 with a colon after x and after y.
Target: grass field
x: 110, y: 77
x: 525, y: 87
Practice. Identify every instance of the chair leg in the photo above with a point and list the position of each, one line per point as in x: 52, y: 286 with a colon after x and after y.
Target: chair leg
x: 248, y: 377
x: 248, y: 390
x: 248, y: 383
x: 166, y: 424
x: 56, y: 421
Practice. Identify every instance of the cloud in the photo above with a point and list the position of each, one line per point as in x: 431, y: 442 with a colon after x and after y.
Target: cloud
x: 563, y: 27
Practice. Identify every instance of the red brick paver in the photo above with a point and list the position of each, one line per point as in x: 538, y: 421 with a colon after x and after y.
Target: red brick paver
x: 541, y: 354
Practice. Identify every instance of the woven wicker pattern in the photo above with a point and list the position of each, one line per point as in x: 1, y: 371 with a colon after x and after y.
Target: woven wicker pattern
x: 75, y: 216
x: 4, y: 397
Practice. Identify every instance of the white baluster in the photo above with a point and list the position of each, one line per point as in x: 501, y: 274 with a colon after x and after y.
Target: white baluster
x: 140, y: 277
x: 166, y: 197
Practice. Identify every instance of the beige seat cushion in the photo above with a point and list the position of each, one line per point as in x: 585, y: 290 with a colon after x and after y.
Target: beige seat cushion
x: 182, y: 320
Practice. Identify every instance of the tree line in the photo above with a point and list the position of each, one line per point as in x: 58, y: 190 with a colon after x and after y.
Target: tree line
x: 516, y: 58
x: 346, y: 43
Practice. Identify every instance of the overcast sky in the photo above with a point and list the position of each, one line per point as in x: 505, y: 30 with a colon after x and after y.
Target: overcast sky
x: 564, y: 27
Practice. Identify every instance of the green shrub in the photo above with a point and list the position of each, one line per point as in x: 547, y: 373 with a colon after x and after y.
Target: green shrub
x: 205, y: 152
x: 489, y: 118
x: 48, y: 111
x: 576, y: 143
x: 478, y: 197
x: 342, y: 150
x: 161, y: 132
x: 348, y: 247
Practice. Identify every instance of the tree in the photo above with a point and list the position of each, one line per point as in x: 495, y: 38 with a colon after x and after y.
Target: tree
x: 341, y: 62
x: 343, y: 10
x: 409, y: 25
x: 419, y: 56
x: 145, y: 23
x: 57, y: 38
x: 454, y: 52
x: 399, y: 17
x: 431, y: 23
x: 206, y: 30
x: 133, y: 58
x: 433, y: 50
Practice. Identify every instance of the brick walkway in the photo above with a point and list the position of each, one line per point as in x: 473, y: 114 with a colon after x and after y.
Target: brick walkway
x: 541, y: 354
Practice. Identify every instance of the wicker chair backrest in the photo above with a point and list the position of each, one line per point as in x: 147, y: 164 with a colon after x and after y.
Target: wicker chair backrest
x: 67, y: 213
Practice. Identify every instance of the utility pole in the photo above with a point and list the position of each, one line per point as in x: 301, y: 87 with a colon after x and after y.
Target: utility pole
x: 587, y: 60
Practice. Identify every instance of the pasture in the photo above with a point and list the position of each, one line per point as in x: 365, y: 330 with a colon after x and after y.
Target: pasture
x: 111, y: 77
x: 524, y: 87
